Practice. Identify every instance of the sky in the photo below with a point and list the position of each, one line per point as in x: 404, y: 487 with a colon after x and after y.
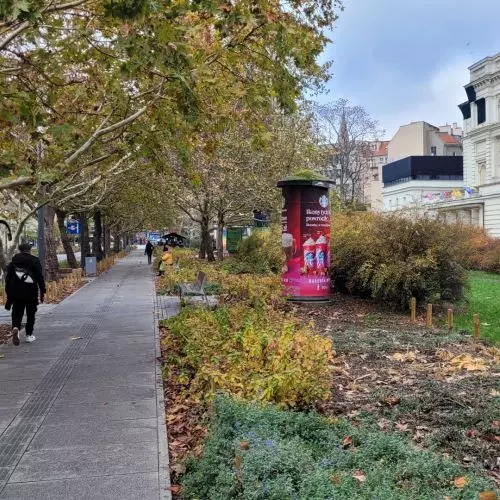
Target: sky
x: 407, y: 60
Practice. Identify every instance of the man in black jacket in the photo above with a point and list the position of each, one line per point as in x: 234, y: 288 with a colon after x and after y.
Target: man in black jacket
x: 149, y: 251
x: 23, y: 280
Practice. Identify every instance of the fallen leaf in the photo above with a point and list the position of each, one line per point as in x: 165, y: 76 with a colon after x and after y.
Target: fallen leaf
x: 347, y: 441
x: 494, y: 393
x: 401, y: 427
x: 175, y: 489
x: 460, y: 482
x: 244, y: 445
x: 359, y: 475
x: 473, y: 433
x: 390, y: 400
x: 2, y: 356
x: 178, y: 469
x: 76, y: 338
x: 488, y: 495
x: 335, y: 479
x: 384, y: 424
x: 495, y: 424
x: 403, y: 357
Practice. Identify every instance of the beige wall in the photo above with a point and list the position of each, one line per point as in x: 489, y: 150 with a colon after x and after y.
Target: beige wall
x: 409, y: 140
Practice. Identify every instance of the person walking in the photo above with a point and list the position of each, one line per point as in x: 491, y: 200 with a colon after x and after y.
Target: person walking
x: 149, y: 251
x: 23, y: 282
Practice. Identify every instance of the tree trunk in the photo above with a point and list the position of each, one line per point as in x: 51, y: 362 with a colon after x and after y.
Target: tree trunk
x: 107, y: 241
x: 206, y: 249
x: 220, y: 234
x: 117, y: 242
x: 97, y: 240
x: 70, y: 255
x: 51, y: 261
x: 84, y: 237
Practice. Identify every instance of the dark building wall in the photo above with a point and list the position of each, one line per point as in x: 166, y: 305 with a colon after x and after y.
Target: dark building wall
x: 423, y: 168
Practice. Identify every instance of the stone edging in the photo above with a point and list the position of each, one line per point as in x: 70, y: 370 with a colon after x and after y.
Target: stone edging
x: 163, y: 457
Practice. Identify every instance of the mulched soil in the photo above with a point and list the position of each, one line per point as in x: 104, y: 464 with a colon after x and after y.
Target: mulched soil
x: 441, y: 388
x: 186, y: 419
x: 5, y: 333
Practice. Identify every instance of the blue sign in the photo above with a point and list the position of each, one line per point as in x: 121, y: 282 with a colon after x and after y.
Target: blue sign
x: 73, y: 227
x: 154, y: 236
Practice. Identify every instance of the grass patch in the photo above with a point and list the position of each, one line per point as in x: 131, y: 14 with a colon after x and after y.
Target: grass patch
x: 482, y: 298
x: 264, y: 453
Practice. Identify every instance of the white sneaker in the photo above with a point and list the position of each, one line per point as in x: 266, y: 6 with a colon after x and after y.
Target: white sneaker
x: 15, y: 336
x: 30, y: 338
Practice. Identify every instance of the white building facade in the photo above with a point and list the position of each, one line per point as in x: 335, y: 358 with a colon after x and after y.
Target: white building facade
x: 482, y: 138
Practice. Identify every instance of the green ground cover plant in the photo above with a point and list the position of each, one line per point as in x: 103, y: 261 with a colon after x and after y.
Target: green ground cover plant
x: 256, y: 452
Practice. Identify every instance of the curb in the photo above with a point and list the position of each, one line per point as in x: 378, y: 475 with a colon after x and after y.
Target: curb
x: 161, y: 425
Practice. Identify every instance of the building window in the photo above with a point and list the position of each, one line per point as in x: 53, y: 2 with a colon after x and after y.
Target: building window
x: 433, y: 150
x: 481, y: 170
x: 481, y: 110
x: 375, y: 177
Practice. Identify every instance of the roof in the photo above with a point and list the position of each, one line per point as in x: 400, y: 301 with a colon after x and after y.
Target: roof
x: 382, y: 149
x: 449, y: 139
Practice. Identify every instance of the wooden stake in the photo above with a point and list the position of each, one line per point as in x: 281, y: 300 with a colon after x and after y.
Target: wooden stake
x: 450, y: 319
x: 477, y: 326
x: 413, y: 310
x: 429, y: 315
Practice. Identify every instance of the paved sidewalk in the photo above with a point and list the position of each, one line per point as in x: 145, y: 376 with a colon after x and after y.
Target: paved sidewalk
x: 81, y: 409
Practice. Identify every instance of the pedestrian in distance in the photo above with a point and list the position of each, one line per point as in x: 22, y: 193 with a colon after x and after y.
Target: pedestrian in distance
x: 24, y: 282
x: 149, y: 251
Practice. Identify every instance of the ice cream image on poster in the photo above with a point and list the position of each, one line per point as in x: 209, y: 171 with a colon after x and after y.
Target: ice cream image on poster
x: 321, y: 253
x: 309, y: 248
x: 305, y: 240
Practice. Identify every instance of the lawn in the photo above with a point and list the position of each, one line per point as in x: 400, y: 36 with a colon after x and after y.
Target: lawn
x: 483, y: 298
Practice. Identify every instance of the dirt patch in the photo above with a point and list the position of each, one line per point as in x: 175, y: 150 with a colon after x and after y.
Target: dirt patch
x: 441, y: 388
x: 5, y: 333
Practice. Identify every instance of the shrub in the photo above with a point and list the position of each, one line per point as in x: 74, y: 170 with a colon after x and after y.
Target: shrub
x: 261, y: 252
x: 258, y: 453
x: 250, y: 353
x: 481, y: 252
x: 392, y: 258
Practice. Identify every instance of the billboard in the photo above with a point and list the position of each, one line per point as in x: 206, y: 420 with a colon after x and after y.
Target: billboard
x: 306, y: 240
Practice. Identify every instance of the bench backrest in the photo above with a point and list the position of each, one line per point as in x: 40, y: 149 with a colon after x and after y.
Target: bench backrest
x: 200, y: 281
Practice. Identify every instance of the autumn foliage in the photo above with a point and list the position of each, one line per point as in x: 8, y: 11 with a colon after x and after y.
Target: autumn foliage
x: 391, y: 258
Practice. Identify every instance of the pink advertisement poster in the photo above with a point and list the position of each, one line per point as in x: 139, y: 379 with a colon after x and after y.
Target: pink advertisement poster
x: 306, y: 242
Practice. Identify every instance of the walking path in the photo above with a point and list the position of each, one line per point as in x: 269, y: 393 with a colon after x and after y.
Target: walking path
x: 81, y: 409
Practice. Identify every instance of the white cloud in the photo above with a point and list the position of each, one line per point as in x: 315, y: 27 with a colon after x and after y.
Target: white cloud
x: 436, y: 102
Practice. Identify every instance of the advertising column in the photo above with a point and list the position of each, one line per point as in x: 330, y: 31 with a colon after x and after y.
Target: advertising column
x: 306, y: 239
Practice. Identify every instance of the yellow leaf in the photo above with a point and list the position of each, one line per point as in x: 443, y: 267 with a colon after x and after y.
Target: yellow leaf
x: 494, y: 393
x: 460, y: 482
x: 488, y: 495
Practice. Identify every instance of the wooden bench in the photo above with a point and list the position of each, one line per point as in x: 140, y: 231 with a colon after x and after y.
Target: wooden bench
x: 196, y: 288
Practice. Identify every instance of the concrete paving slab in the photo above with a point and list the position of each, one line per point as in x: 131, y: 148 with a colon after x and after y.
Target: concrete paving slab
x: 7, y: 415
x: 86, y: 461
x: 83, y: 433
x: 123, y: 487
x: 114, y: 412
x: 104, y: 394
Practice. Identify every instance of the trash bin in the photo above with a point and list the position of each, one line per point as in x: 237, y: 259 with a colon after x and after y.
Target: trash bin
x: 90, y: 265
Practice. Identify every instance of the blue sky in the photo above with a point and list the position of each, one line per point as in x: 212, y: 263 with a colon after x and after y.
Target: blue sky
x: 406, y: 60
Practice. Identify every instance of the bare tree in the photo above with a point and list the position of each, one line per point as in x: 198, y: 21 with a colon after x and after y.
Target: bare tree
x: 347, y: 131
